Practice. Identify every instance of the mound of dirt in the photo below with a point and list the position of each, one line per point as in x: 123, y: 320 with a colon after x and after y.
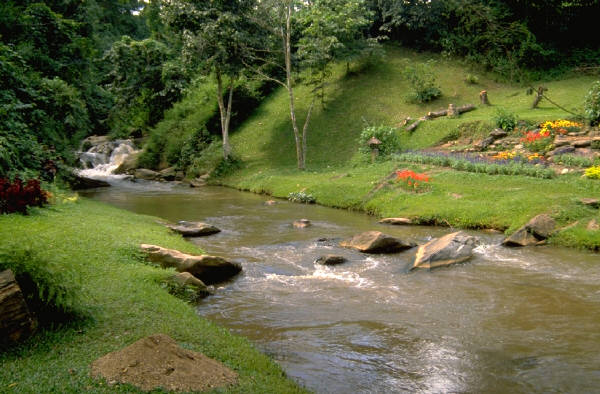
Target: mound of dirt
x: 157, y: 361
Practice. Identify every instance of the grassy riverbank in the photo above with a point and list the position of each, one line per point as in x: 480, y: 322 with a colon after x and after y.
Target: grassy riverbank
x: 98, y: 245
x: 337, y: 176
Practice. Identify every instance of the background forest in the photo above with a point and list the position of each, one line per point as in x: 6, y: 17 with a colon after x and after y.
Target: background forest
x: 70, y: 69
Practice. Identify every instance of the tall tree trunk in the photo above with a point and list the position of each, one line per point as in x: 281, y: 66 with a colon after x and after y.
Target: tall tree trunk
x: 289, y: 84
x: 225, y: 112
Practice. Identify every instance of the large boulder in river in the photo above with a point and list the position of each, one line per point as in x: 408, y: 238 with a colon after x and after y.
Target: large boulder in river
x: 449, y: 249
x: 533, y: 233
x: 194, y: 229
x: 376, y: 242
x: 209, y: 269
x: 128, y: 165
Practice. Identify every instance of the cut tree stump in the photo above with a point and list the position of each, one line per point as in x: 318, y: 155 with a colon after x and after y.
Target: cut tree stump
x: 539, y: 96
x: 15, y: 320
x: 483, y: 97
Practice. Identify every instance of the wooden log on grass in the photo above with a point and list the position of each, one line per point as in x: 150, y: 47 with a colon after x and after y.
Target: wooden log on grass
x: 440, y: 113
x: 15, y: 320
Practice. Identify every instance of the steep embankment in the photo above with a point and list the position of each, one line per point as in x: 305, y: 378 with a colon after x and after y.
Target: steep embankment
x: 338, y: 176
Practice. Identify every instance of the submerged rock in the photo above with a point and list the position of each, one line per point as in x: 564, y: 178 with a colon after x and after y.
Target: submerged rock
x: 331, y: 259
x: 535, y: 232
x: 376, y: 242
x: 449, y: 249
x: 209, y: 269
x: 396, y: 221
x: 194, y: 229
x: 302, y: 223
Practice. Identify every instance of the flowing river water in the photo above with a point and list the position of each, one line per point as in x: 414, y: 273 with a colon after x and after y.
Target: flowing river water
x: 509, y: 320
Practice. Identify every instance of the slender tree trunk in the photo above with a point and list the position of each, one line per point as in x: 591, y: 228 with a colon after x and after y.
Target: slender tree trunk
x: 305, y: 130
x: 225, y: 112
x: 289, y: 85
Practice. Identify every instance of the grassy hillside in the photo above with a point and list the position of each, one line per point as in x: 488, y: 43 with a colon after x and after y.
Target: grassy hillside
x: 100, y: 245
x: 336, y: 177
x: 376, y: 95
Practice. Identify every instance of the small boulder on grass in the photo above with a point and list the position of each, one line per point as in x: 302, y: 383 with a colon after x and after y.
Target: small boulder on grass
x: 194, y: 229
x: 535, y: 232
x: 376, y: 242
x: 449, y: 249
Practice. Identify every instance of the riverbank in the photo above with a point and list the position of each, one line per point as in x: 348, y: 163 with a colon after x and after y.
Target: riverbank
x: 99, y: 245
x: 452, y: 198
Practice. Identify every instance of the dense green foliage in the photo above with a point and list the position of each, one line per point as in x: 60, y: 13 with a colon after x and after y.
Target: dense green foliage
x: 387, y: 136
x: 422, y: 81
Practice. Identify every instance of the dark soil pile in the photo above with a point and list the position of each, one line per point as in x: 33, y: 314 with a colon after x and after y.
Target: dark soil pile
x: 157, y: 361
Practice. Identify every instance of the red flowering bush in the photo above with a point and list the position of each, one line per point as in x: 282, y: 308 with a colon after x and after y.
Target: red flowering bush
x: 16, y: 196
x: 413, y: 180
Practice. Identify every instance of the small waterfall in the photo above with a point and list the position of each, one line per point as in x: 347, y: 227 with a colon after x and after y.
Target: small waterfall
x: 103, y: 158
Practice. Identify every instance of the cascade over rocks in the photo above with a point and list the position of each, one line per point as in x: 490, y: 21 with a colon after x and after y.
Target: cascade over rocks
x: 376, y: 242
x: 157, y: 361
x: 449, y: 249
x: 209, y: 269
x: 194, y: 229
x: 535, y: 232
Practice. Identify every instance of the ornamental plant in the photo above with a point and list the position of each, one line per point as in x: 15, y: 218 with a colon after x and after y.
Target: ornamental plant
x: 413, y: 180
x: 561, y: 126
x: 536, y: 141
x: 593, y: 172
x: 17, y: 196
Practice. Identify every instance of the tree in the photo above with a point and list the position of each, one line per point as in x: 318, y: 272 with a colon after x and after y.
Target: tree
x: 308, y: 37
x: 216, y: 36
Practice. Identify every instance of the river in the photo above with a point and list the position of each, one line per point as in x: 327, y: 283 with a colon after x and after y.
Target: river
x: 509, y: 320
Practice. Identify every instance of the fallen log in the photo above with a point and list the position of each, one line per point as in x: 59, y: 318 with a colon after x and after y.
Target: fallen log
x: 440, y: 113
x: 15, y: 320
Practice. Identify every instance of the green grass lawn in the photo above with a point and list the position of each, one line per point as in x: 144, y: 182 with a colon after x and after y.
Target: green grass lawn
x: 337, y: 176
x: 100, y: 245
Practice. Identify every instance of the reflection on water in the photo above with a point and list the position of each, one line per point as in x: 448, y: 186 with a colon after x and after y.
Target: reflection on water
x: 510, y: 320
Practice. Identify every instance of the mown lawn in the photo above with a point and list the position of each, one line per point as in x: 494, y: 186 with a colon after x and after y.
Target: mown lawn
x: 98, y: 245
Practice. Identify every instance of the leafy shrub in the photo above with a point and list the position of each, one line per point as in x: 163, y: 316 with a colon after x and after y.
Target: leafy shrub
x: 471, y: 79
x: 390, y: 142
x: 592, y: 104
x: 505, y: 119
x: 573, y: 160
x: 226, y: 167
x: 422, y: 81
x: 16, y: 196
x: 301, y: 197
x: 593, y: 172
x: 51, y: 293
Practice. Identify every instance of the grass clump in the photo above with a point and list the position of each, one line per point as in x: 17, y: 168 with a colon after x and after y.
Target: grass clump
x: 573, y: 160
x: 52, y: 294
x: 301, y: 197
x: 505, y: 119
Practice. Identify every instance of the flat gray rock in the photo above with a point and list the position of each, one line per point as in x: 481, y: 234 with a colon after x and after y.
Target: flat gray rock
x: 194, y: 229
